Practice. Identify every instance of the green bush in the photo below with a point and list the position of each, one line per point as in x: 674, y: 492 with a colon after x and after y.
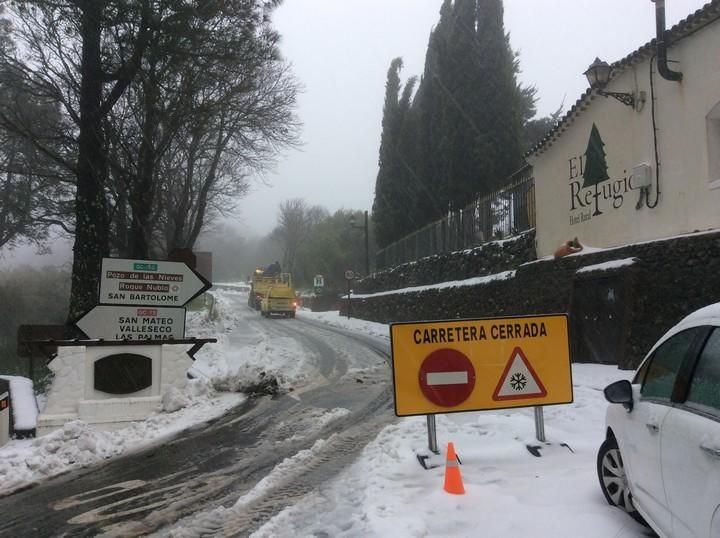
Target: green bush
x: 29, y: 296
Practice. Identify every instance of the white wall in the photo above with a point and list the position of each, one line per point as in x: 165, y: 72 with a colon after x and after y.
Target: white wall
x: 72, y: 394
x: 689, y: 191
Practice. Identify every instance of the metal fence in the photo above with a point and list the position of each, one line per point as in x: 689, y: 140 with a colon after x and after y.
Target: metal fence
x: 499, y: 215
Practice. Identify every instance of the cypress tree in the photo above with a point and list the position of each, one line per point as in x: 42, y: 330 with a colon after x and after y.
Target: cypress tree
x: 406, y: 167
x: 461, y: 136
x: 469, y: 104
x: 428, y: 110
x: 385, y: 205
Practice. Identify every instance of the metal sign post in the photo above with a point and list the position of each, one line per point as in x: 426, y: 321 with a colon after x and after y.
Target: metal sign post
x: 539, y: 425
x: 349, y: 275
x: 432, y: 435
x: 348, y: 299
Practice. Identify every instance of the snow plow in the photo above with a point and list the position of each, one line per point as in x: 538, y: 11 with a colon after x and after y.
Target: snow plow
x: 272, y: 294
x: 261, y: 282
x: 279, y: 300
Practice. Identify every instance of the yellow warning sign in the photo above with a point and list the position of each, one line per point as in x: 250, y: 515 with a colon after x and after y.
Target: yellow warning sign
x: 479, y: 364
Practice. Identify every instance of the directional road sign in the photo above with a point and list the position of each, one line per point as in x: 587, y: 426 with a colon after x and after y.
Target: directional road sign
x: 149, y: 283
x: 110, y: 322
x: 478, y: 364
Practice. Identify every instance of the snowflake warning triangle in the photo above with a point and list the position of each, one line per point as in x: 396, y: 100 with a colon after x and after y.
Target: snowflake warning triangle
x: 519, y: 380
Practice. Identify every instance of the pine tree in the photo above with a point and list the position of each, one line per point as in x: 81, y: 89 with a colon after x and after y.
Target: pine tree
x: 595, y: 164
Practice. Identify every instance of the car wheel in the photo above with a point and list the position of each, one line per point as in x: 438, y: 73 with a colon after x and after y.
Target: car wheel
x: 613, y: 480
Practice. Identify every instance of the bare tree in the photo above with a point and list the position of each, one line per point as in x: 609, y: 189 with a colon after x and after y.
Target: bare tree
x: 228, y: 100
x: 35, y: 190
x: 167, y: 103
x: 81, y: 54
x: 296, y: 221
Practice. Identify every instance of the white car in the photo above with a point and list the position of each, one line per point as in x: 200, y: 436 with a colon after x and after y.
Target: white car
x: 661, y: 457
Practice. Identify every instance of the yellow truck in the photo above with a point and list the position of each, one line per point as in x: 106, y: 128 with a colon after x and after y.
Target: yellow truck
x: 272, y: 294
x: 279, y: 300
x: 260, y: 283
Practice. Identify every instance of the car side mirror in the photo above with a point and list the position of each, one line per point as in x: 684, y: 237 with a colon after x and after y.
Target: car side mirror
x: 620, y: 392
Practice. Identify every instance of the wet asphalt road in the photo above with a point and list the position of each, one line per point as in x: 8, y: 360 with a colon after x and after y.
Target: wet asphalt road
x: 215, y: 464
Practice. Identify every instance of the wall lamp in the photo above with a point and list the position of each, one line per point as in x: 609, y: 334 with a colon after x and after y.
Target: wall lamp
x: 598, y: 75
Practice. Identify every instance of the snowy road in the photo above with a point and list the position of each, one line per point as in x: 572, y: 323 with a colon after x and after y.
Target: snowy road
x: 338, y: 403
x: 301, y: 465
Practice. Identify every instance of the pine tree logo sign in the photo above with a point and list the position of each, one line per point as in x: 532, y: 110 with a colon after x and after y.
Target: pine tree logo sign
x: 480, y: 364
x: 593, y: 192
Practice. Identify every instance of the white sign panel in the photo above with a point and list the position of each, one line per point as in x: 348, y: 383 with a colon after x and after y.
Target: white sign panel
x: 153, y: 283
x: 133, y: 323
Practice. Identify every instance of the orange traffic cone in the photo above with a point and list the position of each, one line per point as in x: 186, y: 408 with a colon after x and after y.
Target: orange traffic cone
x: 453, y: 480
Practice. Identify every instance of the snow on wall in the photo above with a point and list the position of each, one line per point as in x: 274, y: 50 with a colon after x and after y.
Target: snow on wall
x: 607, y: 266
x: 68, y: 385
x: 665, y: 280
x: 23, y: 405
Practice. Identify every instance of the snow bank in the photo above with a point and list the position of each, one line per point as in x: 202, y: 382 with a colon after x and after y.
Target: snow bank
x: 606, y: 266
x: 475, y: 281
x: 77, y: 444
x: 24, y: 406
x: 508, y: 491
x: 334, y: 319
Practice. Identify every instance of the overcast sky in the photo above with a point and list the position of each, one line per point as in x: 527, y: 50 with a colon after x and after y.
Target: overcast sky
x: 341, y: 49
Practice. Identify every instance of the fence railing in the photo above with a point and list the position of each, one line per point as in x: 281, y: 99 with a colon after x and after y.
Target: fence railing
x: 498, y: 215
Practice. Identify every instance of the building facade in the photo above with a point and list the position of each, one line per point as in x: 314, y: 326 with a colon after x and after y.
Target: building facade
x: 612, y: 174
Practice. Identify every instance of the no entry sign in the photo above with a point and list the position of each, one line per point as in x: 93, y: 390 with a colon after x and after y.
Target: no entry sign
x: 447, y: 377
x: 478, y: 364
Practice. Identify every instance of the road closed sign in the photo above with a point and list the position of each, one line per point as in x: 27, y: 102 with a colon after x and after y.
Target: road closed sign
x: 480, y: 364
x: 447, y: 377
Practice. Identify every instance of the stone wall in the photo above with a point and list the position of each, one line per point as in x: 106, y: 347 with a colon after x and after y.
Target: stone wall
x: 650, y: 287
x: 487, y: 259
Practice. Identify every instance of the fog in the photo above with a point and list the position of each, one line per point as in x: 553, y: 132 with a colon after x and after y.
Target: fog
x: 341, y: 49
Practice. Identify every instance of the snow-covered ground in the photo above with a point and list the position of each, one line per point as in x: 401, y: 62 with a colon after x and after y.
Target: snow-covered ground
x: 385, y: 492
x: 509, y: 492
